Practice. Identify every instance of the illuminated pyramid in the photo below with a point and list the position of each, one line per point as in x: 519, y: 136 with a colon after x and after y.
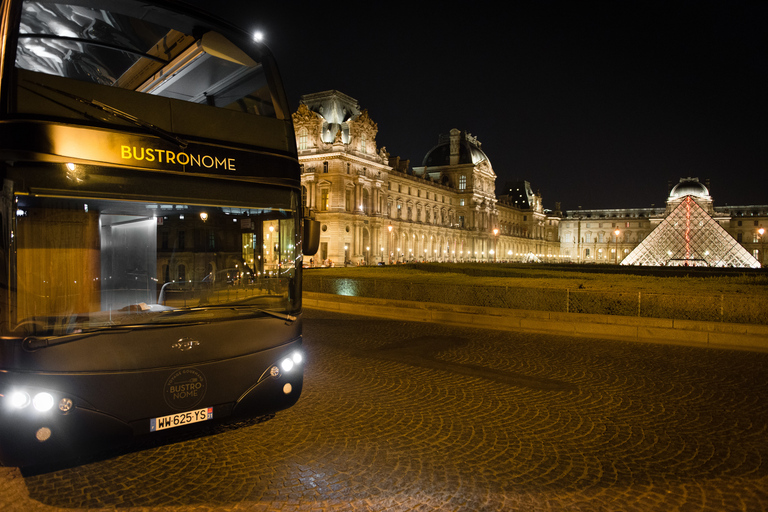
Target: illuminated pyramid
x: 689, y: 236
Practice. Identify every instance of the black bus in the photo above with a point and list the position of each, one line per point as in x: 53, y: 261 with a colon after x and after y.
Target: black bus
x: 151, y: 226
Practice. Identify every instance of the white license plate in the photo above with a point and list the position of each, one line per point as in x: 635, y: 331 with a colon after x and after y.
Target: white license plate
x: 182, y: 418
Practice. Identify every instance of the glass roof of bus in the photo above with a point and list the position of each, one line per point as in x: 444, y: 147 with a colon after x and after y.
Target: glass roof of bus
x: 113, y: 43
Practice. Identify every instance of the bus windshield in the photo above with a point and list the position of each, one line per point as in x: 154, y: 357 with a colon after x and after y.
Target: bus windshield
x: 95, y: 263
x: 135, y: 46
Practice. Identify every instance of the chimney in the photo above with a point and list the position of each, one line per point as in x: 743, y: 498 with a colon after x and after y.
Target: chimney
x: 455, y: 138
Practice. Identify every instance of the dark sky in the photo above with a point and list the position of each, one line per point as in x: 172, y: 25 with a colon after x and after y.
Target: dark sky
x: 597, y: 104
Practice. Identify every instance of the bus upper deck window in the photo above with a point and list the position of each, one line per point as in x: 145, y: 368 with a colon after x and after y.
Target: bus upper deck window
x: 117, y: 44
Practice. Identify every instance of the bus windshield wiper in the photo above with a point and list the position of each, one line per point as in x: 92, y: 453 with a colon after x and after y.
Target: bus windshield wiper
x: 241, y: 307
x: 119, y: 114
x: 38, y: 342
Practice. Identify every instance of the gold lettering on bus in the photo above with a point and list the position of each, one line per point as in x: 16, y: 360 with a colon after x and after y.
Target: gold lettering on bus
x: 171, y: 157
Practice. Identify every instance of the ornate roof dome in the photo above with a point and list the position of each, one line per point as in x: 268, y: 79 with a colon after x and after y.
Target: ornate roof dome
x: 689, y: 187
x: 455, y: 148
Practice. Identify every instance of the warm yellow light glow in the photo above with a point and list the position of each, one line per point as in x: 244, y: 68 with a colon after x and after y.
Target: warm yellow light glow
x: 203, y: 216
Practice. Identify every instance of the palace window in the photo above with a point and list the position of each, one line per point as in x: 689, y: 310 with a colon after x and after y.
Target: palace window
x: 324, y: 200
x: 462, y: 182
x: 303, y: 139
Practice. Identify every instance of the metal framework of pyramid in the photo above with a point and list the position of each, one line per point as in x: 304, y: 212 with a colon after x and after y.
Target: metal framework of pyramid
x: 689, y: 236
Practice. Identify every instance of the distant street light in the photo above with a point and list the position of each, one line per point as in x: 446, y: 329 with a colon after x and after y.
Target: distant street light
x: 762, y: 246
x: 617, y: 233
x: 495, y: 239
x: 390, y: 243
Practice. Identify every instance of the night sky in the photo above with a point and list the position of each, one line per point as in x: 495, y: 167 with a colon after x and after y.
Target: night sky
x: 596, y: 104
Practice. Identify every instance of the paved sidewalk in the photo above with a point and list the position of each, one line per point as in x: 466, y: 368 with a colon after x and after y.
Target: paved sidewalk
x: 415, y: 416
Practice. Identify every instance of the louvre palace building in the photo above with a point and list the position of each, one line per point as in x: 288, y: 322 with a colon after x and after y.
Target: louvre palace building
x: 374, y: 207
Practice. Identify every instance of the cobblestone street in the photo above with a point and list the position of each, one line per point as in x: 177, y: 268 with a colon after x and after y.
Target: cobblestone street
x: 415, y: 416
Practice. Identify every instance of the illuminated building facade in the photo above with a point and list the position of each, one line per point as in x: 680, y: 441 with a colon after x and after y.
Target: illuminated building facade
x: 374, y: 207
x: 737, y: 233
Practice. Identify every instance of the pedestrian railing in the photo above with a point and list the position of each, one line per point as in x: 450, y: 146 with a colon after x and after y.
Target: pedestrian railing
x: 732, y: 308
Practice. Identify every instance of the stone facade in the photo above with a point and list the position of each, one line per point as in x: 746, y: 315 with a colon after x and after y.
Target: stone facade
x: 590, y: 236
x: 374, y: 207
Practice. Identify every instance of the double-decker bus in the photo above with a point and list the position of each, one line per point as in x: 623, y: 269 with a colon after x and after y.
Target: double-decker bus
x: 151, y: 226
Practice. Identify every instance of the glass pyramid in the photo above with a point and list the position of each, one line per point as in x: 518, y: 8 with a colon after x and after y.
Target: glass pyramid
x: 689, y: 236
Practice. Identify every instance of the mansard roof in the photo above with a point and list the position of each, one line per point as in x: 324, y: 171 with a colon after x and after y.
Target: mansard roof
x: 469, y: 151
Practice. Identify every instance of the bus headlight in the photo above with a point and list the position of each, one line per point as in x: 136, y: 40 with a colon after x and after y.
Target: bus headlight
x: 42, y: 401
x: 286, y: 364
x: 294, y: 359
x: 19, y: 399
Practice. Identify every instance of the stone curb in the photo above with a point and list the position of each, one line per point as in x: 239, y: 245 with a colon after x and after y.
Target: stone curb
x: 649, y: 330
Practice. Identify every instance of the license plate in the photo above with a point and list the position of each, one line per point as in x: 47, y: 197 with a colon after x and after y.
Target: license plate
x: 182, y: 418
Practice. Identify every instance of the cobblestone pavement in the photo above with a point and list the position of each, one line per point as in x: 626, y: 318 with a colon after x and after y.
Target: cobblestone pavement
x: 412, y: 416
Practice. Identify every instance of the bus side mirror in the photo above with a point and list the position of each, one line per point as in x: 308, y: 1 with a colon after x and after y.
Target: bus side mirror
x: 311, y: 238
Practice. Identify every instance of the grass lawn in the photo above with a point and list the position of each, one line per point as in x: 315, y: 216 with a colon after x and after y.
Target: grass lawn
x: 683, y: 281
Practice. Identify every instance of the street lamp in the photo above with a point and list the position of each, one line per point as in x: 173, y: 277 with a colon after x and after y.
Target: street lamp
x: 495, y: 239
x: 390, y: 243
x: 617, y: 233
x: 762, y: 245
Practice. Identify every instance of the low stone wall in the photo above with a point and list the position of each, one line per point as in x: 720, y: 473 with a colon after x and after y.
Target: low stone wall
x: 728, y: 308
x: 657, y: 330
